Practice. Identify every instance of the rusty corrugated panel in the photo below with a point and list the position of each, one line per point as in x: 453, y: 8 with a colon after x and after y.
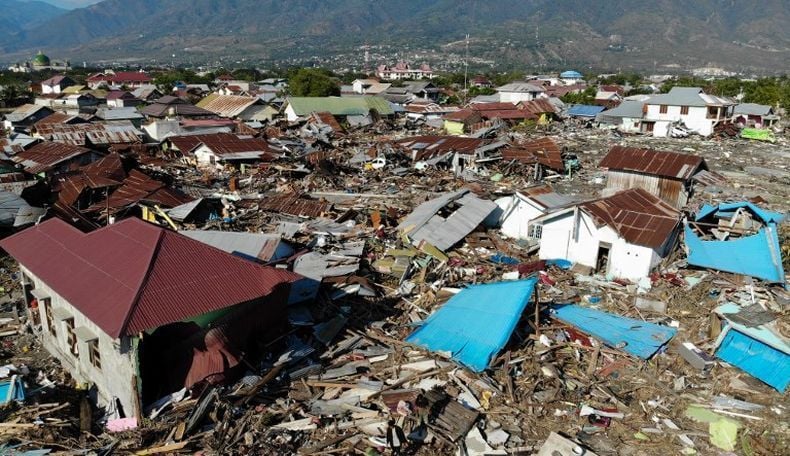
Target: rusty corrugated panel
x: 429, y: 146
x: 227, y: 105
x: 151, y: 276
x: 638, y: 216
x: 44, y: 155
x: 295, y: 205
x: 661, y: 163
x: 139, y: 187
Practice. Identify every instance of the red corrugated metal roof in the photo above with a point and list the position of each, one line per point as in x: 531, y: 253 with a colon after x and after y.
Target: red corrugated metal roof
x: 636, y: 215
x: 139, y: 187
x: 132, y: 276
x: 542, y: 150
x: 655, y: 162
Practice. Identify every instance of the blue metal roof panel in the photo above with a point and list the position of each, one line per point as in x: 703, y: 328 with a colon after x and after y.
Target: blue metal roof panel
x: 637, y: 337
x: 476, y: 323
x: 585, y: 110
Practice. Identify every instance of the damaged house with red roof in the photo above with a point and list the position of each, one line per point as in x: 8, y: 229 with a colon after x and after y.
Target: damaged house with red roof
x: 222, y: 148
x: 624, y: 235
x: 138, y: 312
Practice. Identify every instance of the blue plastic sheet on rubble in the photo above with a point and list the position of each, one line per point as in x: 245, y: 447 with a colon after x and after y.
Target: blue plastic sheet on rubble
x: 560, y: 263
x: 637, y: 337
x: 757, y: 255
x: 585, y: 110
x: 12, y: 390
x: 475, y: 324
x: 503, y: 259
x: 757, y: 350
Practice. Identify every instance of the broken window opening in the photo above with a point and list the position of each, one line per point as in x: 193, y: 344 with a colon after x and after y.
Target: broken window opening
x: 71, y: 337
x: 94, y: 354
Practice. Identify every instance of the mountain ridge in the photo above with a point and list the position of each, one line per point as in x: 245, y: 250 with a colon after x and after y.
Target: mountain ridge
x: 746, y: 33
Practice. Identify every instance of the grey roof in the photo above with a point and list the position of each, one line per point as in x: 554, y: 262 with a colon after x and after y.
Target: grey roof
x: 628, y: 108
x: 425, y: 224
x: 15, y: 211
x: 23, y: 112
x: 688, y: 96
x: 118, y: 113
x: 521, y: 87
x: 485, y: 99
x: 317, y: 266
x: 551, y: 200
x: 180, y: 213
x: 260, y: 246
x: 752, y: 109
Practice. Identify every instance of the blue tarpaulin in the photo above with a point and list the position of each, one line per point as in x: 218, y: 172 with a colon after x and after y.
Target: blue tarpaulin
x: 759, y: 351
x: 585, y: 110
x: 757, y: 255
x: 12, y: 390
x: 637, y: 337
x: 475, y: 324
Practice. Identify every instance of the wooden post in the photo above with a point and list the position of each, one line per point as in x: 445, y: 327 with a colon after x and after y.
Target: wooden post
x: 537, y: 310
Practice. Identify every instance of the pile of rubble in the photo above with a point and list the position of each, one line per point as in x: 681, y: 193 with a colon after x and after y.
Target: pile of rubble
x: 424, y: 338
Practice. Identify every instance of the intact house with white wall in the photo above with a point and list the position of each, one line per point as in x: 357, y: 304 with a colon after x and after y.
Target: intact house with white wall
x: 137, y: 312
x: 623, y: 236
x: 686, y: 107
x: 519, y: 91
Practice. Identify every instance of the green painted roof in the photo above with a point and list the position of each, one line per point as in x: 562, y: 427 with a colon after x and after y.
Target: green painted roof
x: 340, y: 106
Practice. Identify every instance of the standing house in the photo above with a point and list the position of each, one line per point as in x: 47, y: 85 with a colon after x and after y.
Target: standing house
x: 667, y: 175
x: 518, y: 91
x: 139, y: 312
x: 403, y: 70
x: 342, y: 107
x: 624, y: 235
x: 130, y: 79
x: 753, y: 115
x: 516, y: 212
x: 56, y: 84
x: 687, y: 107
x: 23, y: 117
x: 627, y: 117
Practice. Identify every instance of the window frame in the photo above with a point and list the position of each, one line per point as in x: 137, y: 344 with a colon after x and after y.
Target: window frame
x: 71, y: 337
x: 47, y: 305
x: 663, y: 109
x: 684, y: 110
x: 94, y: 355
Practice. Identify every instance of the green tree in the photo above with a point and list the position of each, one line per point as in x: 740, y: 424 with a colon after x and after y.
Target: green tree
x: 587, y: 96
x: 313, y: 82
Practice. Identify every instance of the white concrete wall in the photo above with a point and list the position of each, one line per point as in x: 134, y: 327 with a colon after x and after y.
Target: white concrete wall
x: 290, y: 114
x: 696, y: 119
x: 118, y: 362
x: 626, y: 260
x: 518, y: 215
x: 47, y: 89
x: 515, y: 97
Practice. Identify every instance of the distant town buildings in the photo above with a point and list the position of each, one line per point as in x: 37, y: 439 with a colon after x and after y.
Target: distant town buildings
x: 403, y: 70
x: 38, y: 63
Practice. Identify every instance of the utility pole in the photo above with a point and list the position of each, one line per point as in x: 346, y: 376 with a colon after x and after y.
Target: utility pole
x: 466, y: 67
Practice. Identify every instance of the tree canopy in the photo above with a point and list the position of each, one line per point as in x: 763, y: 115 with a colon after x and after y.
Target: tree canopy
x: 313, y: 82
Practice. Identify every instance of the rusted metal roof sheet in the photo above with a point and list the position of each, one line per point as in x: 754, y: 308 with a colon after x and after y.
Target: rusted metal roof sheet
x: 542, y: 150
x: 326, y: 118
x: 430, y: 146
x: 656, y: 162
x: 47, y: 154
x: 538, y: 106
x: 295, y: 205
x: 139, y: 187
x: 227, y: 105
x: 56, y: 118
x: 636, y: 215
x: 110, y: 132
x: 132, y: 276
